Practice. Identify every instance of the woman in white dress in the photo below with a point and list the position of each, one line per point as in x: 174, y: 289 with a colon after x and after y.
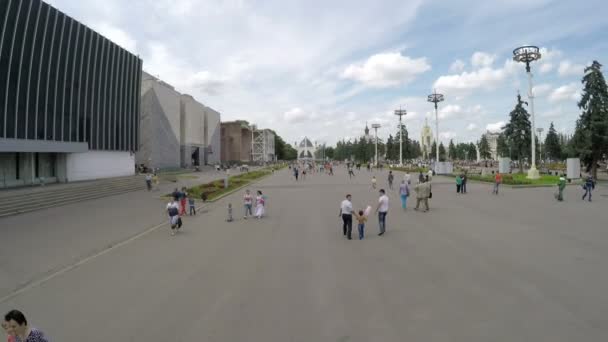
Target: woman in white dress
x: 259, y: 205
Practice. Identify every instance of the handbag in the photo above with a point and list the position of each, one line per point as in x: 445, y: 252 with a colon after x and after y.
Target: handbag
x: 431, y: 194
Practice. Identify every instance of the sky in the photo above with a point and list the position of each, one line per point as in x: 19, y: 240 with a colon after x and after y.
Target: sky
x: 324, y: 69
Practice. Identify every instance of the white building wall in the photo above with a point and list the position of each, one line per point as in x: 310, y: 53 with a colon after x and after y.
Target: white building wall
x: 213, y: 136
x: 193, y: 121
x: 99, y: 164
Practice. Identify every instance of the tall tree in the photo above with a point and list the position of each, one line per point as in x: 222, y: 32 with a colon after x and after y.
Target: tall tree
x: 484, y: 148
x: 518, y: 131
x: 442, y: 152
x: 472, y: 152
x: 452, y: 150
x: 502, y: 146
x: 329, y: 152
x: 591, y: 135
x: 392, y: 148
x: 553, y: 147
x: 432, y: 152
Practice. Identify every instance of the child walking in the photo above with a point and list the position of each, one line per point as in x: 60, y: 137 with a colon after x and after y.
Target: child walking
x: 374, y: 182
x: 191, y: 206
x: 361, y: 219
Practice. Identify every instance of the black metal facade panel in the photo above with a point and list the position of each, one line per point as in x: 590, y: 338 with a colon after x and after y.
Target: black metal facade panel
x: 65, y: 82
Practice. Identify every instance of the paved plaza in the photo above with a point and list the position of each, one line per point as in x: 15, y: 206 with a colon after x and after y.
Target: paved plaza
x: 515, y: 267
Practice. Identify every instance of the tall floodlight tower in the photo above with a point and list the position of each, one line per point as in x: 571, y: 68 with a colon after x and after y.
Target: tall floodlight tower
x: 528, y: 54
x: 375, y: 127
x: 436, y: 98
x: 400, y: 112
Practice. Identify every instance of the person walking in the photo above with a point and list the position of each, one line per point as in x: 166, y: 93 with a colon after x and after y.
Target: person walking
x: 173, y: 213
x: 382, y: 210
x: 407, y: 178
x: 497, y: 182
x: 351, y: 173
x: 404, y: 193
x: 561, y: 185
x: 155, y: 181
x: 295, y: 173
x: 191, y: 206
x: 259, y: 206
x: 588, y: 187
x: 458, y: 183
x: 182, y: 201
x: 149, y: 181
x: 248, y: 204
x: 304, y: 173
x: 346, y: 213
x: 463, y: 187
x: 423, y: 192
x: 391, y: 178
x: 19, y: 330
x: 420, y: 178
x: 361, y: 219
x: 374, y: 181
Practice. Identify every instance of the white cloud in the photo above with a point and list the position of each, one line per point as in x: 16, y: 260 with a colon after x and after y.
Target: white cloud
x: 542, y: 89
x: 482, y: 59
x: 471, y: 127
x: 116, y: 35
x: 568, y: 92
x: 295, y: 115
x: 386, y: 70
x: 567, y: 68
x: 495, y: 127
x: 207, y: 82
x: 486, y: 78
x: 546, y: 67
x: 457, y: 66
x: 548, y: 59
x: 449, y: 111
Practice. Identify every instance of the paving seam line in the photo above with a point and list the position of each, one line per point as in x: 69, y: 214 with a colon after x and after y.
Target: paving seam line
x: 112, y: 247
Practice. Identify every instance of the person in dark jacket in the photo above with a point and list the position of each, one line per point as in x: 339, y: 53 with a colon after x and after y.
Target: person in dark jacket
x: 588, y: 187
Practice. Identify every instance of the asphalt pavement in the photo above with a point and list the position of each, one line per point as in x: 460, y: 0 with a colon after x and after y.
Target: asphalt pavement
x: 514, y: 267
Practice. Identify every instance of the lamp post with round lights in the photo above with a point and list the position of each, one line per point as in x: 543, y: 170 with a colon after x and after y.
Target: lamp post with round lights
x: 400, y: 112
x: 436, y: 98
x: 527, y: 54
x: 375, y: 127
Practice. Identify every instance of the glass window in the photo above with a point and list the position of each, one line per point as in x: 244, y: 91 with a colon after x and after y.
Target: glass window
x: 61, y: 58
x: 94, y: 91
x: 39, y: 79
x: 78, y: 51
x: 50, y: 90
x: 102, y: 93
x: 33, y: 66
x: 66, y: 86
x: 24, y: 66
x: 7, y: 24
x: 12, y: 78
x: 83, y: 74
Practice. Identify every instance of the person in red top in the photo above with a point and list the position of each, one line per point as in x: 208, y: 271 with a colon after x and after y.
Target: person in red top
x: 497, y: 181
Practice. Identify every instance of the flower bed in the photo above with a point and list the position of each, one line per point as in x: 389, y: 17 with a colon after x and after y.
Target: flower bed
x: 215, y: 189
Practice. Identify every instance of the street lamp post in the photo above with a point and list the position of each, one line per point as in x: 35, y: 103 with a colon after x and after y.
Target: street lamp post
x: 540, y: 143
x: 527, y: 54
x: 400, y: 112
x: 436, y: 98
x: 375, y: 127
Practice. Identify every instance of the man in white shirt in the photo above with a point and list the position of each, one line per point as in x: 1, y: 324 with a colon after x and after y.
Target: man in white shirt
x: 346, y: 212
x: 173, y: 212
x: 382, y: 210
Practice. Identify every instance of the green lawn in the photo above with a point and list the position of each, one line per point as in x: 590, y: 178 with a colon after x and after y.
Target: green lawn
x: 216, y: 188
x: 518, y: 179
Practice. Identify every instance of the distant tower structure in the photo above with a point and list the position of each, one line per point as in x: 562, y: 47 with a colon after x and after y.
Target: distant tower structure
x: 306, y: 150
x: 367, y: 136
x: 426, y: 140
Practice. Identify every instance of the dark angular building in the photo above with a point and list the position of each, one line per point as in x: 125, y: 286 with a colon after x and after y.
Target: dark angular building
x: 69, y: 99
